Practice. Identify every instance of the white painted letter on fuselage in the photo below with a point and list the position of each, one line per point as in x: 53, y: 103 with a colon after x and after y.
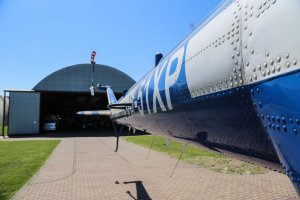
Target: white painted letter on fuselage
x: 156, y: 94
x: 147, y: 93
x: 172, y: 78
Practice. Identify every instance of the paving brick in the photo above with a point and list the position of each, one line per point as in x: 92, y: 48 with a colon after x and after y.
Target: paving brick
x: 88, y: 168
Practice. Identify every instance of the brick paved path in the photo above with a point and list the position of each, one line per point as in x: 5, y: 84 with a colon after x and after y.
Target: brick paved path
x: 88, y: 168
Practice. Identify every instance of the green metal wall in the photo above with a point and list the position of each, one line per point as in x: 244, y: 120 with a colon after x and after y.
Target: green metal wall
x: 24, y: 113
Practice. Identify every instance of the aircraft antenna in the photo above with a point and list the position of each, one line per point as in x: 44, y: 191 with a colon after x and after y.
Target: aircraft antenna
x: 182, y: 152
x: 92, y: 89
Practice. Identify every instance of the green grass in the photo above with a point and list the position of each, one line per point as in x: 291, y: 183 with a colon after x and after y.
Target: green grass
x: 19, y: 160
x: 196, y: 155
x: 5, y: 130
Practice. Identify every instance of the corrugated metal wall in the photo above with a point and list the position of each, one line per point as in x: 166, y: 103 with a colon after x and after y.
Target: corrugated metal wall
x: 24, y: 113
x: 1, y: 110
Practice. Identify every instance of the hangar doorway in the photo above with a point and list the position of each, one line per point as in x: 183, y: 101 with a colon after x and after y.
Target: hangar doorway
x: 61, y: 95
x: 62, y: 108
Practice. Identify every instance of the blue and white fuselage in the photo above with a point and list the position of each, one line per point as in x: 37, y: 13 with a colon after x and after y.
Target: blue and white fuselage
x: 233, y: 83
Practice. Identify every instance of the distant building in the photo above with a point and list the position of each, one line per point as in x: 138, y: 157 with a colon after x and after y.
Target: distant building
x: 1, y: 111
x: 61, y: 95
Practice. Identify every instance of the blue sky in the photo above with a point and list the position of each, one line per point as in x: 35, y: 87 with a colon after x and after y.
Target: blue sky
x: 38, y: 37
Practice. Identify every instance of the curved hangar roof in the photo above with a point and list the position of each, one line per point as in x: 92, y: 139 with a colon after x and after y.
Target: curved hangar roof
x: 77, y: 78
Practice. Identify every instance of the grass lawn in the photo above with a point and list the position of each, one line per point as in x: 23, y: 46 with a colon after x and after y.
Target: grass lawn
x: 5, y: 130
x: 19, y: 160
x: 197, y: 155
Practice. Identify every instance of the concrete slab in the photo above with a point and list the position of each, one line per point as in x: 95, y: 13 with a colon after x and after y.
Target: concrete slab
x: 88, y: 168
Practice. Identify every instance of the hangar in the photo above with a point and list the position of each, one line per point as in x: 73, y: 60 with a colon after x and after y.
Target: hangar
x: 61, y: 95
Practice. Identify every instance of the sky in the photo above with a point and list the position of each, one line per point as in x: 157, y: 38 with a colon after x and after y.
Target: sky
x: 39, y: 37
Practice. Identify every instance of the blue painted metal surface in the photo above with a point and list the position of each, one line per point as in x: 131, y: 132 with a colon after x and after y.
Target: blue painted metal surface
x: 277, y: 103
x: 226, y: 119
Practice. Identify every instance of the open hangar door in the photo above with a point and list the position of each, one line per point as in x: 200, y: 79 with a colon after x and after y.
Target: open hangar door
x: 67, y: 91
x: 62, y: 108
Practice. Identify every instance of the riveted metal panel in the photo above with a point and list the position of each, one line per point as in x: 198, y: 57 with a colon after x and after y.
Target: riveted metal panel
x: 213, y: 55
x: 271, y: 35
x: 24, y: 111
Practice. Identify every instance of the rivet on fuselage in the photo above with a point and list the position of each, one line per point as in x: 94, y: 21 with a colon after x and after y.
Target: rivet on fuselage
x: 247, y: 63
x: 252, y: 51
x: 286, y: 55
x: 295, y: 131
x: 278, y: 119
x: 245, y: 46
x: 295, y: 62
x: 259, y: 67
x: 250, y: 34
x: 250, y: 79
x: 273, y: 126
x: 278, y: 68
x: 232, y: 56
x: 273, y: 70
x: 284, y: 128
x: 254, y: 69
x: 236, y: 62
x: 278, y: 59
x: 271, y: 62
x: 278, y: 127
x: 265, y: 65
x: 239, y: 68
x: 230, y: 78
x: 283, y: 120
x: 291, y: 120
x: 255, y: 77
x: 263, y: 73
